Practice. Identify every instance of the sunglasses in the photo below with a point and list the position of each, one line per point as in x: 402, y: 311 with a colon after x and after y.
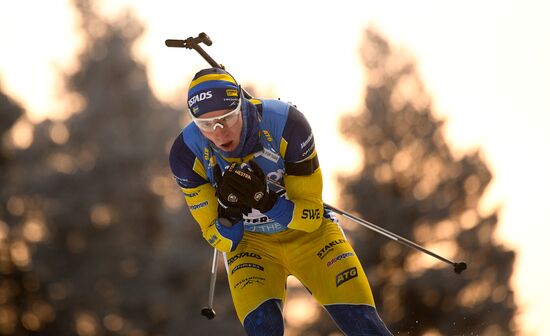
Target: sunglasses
x: 227, y: 120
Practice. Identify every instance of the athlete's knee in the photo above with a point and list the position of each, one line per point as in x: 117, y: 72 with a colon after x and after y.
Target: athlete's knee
x: 265, y: 320
x: 357, y: 320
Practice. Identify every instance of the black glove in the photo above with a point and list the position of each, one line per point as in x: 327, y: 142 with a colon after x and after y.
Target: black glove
x: 234, y: 215
x: 229, y: 210
x: 246, y: 187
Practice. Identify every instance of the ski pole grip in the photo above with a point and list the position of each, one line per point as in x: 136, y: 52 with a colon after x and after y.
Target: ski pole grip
x: 175, y: 43
x: 190, y: 42
x: 193, y: 43
x: 205, y: 39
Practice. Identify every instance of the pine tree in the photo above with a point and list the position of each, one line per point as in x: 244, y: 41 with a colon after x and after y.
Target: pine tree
x: 412, y: 184
x: 20, y: 303
x: 120, y: 252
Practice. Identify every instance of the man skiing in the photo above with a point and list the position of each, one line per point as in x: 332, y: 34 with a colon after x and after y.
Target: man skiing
x: 224, y: 161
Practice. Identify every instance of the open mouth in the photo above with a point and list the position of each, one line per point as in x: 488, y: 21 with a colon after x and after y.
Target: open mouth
x: 226, y: 145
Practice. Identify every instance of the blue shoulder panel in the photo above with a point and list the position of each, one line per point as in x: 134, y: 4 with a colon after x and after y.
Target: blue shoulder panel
x: 274, y: 118
x: 299, y: 137
x: 182, y: 159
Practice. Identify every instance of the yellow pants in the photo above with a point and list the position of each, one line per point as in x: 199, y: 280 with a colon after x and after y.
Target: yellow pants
x: 322, y: 260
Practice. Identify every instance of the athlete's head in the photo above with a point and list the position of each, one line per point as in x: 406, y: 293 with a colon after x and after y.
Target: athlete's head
x: 214, y: 101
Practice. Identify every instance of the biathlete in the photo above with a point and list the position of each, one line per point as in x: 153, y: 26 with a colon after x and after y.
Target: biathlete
x: 223, y: 162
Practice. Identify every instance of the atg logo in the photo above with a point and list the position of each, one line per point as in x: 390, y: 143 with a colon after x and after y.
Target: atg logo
x: 200, y: 97
x: 346, y: 275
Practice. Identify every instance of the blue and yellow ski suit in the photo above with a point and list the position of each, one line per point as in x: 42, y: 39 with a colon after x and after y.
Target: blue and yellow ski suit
x: 298, y: 236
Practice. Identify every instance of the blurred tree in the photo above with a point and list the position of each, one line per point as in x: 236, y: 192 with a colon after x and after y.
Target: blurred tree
x: 10, y: 111
x: 15, y: 276
x: 109, y: 245
x: 411, y: 183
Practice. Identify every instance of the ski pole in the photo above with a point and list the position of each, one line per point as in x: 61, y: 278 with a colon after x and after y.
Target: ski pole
x: 458, y: 266
x: 193, y: 43
x: 209, y: 312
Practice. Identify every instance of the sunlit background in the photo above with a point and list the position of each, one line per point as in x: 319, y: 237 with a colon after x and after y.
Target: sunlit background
x: 486, y: 65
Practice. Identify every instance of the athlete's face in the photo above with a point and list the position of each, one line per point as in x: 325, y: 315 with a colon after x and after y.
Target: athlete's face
x: 225, y: 133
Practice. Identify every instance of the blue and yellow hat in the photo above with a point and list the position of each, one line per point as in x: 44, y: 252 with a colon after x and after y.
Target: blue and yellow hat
x: 212, y: 89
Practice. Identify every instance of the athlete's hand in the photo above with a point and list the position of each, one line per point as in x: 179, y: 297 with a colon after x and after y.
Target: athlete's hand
x: 226, y: 209
x: 246, y: 187
x: 233, y: 214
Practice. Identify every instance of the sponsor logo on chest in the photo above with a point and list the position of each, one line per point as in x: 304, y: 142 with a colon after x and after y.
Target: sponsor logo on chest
x: 273, y: 157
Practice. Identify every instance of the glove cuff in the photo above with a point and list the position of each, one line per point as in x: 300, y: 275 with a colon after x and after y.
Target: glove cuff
x: 230, y: 233
x: 282, y: 211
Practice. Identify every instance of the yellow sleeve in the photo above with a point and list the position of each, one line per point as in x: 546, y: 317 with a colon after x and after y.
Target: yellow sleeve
x: 305, y: 191
x: 203, y: 205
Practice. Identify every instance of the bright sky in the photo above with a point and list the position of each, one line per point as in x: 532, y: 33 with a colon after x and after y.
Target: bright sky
x: 487, y: 65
